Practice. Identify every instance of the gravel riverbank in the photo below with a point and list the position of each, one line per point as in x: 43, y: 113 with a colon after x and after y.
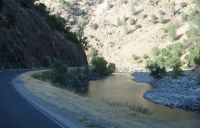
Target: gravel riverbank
x: 183, y: 92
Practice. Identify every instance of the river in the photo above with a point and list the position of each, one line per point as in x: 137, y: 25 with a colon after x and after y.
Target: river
x: 119, y: 88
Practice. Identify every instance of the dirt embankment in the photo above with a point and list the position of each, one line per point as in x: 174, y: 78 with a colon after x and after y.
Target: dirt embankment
x: 73, y: 110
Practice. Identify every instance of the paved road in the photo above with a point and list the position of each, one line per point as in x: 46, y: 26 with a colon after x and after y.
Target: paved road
x: 15, y: 111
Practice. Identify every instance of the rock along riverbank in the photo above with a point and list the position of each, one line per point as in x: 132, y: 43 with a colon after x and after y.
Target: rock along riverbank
x: 183, y: 92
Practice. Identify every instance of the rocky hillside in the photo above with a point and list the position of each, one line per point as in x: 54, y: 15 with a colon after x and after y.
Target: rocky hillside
x: 27, y: 41
x: 127, y: 32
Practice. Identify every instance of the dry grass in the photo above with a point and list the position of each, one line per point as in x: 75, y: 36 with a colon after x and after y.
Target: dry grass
x: 95, y: 109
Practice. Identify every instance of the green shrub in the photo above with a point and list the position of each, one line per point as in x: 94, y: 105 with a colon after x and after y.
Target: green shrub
x: 94, y: 26
x: 100, y: 1
x: 172, y: 33
x: 194, y: 57
x: 58, y: 72
x: 154, y: 19
x: 173, y: 4
x: 135, y: 57
x: 160, y: 61
x: 193, y: 32
x: 100, y: 65
x: 41, y: 8
x: 132, y: 8
x: 184, y: 16
x: 172, y: 62
x: 93, y: 52
x: 155, y: 51
x: 138, y: 26
x: 156, y: 71
x: 26, y: 3
x: 125, y: 1
x: 111, y: 68
x: 1, y: 5
x: 119, y: 22
x: 161, y: 20
x: 110, y: 6
x: 145, y: 56
x: 177, y: 49
x: 56, y: 22
x: 132, y: 21
x: 183, y: 4
x: 164, y: 52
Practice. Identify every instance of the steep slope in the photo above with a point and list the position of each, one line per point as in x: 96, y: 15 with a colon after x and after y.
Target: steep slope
x: 121, y: 29
x: 27, y: 41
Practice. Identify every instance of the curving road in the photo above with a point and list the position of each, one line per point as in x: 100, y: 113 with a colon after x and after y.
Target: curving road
x: 15, y: 111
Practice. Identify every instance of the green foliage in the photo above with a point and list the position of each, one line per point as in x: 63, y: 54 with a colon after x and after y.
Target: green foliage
x: 132, y: 8
x: 194, y: 17
x: 100, y: 65
x: 26, y: 3
x: 119, y: 22
x: 100, y: 1
x: 172, y: 33
x: 155, y: 51
x: 177, y: 49
x: 177, y: 71
x: 125, y: 1
x: 58, y: 72
x: 109, y: 6
x: 164, y: 52
x: 183, y: 4
x: 93, y: 52
x: 124, y: 25
x: 145, y: 56
x: 154, y: 19
x: 138, y: 26
x: 41, y: 8
x: 161, y: 20
x: 1, y: 5
x: 193, y: 33
x: 173, y: 4
x: 194, y: 57
x: 56, y: 22
x: 175, y: 26
x: 135, y: 57
x: 173, y: 62
x: 11, y: 17
x: 111, y: 68
x: 184, y: 16
x: 132, y: 21
x: 160, y: 61
x: 156, y: 71
x: 94, y: 26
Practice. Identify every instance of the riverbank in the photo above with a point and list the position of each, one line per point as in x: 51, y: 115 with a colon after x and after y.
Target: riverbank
x: 73, y: 110
x: 183, y: 93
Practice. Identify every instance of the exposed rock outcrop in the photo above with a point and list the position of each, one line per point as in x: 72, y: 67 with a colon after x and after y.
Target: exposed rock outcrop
x: 27, y: 41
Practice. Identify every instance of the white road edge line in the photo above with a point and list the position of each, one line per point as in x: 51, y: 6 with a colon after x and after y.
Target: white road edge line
x: 38, y: 108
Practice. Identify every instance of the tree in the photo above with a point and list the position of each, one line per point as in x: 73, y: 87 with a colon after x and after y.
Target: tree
x: 156, y: 71
x: 132, y: 8
x: 172, y: 33
x: 154, y: 19
x: 58, y: 73
x: 124, y: 25
x: 93, y: 52
x: 155, y: 51
x: 162, y: 20
x: 100, y: 65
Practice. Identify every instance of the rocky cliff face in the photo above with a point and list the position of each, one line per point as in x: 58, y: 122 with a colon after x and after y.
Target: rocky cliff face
x: 27, y: 41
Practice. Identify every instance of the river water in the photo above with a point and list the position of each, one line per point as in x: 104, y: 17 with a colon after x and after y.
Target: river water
x: 119, y: 88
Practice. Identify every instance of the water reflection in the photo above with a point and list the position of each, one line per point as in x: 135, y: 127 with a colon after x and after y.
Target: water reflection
x: 119, y: 88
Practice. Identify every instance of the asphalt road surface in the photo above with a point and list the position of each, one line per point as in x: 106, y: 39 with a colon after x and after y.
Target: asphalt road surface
x: 15, y: 111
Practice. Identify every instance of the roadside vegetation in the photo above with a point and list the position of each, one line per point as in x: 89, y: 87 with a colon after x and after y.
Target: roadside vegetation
x: 60, y: 76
